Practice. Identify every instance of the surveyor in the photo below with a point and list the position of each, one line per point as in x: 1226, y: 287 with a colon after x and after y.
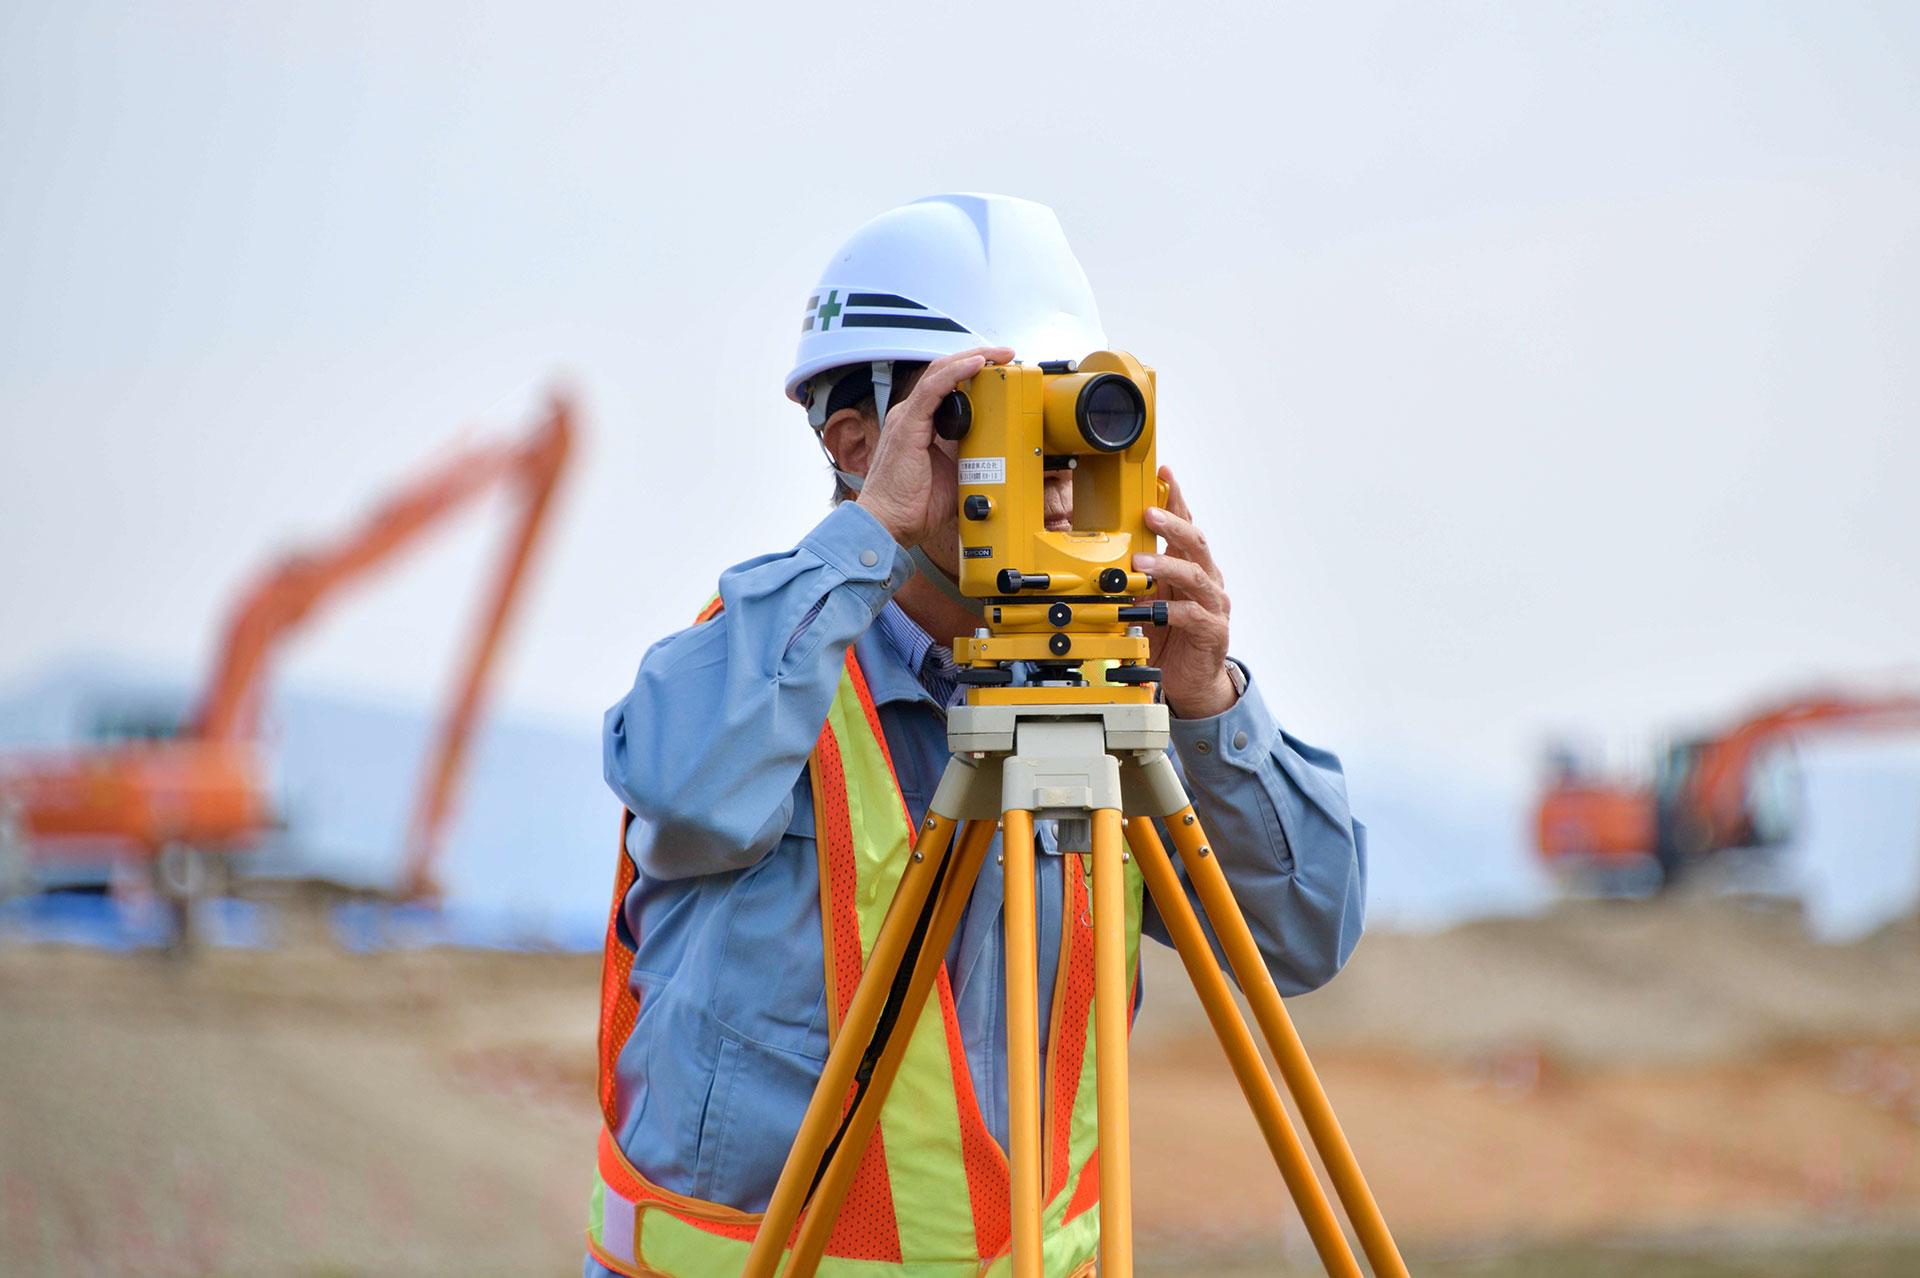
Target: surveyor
x: 775, y: 757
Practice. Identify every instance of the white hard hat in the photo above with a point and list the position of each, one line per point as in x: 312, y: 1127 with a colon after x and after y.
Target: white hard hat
x: 946, y: 274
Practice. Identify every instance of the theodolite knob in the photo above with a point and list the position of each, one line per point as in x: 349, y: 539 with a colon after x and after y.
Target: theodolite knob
x: 1154, y: 613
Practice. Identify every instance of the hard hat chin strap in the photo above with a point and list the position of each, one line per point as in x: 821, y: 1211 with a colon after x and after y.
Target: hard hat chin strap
x: 882, y: 389
x: 945, y: 584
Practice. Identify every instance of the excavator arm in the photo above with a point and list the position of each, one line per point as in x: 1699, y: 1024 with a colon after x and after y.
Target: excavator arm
x: 1715, y: 795
x: 203, y: 787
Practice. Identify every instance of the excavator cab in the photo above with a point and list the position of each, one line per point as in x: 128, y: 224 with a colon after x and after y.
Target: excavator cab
x: 1679, y: 834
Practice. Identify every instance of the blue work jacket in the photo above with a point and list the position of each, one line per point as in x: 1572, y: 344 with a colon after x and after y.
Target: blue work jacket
x: 709, y: 752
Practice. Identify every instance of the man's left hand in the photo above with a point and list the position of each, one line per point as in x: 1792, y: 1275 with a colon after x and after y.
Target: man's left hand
x: 1191, y: 650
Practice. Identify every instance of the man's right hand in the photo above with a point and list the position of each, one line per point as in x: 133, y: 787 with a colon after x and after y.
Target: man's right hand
x: 913, y: 485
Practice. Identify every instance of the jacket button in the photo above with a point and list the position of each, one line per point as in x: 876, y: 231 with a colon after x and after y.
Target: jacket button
x: 869, y: 558
x: 1239, y: 740
x: 1204, y: 747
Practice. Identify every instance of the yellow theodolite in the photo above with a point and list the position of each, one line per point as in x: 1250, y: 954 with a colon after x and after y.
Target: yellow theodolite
x: 1058, y: 598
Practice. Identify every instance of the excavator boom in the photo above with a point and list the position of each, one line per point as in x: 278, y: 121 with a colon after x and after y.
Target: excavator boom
x: 204, y: 788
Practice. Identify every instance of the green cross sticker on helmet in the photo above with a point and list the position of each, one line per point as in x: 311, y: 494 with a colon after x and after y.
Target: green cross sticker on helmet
x: 946, y: 274
x: 874, y: 310
x: 822, y: 311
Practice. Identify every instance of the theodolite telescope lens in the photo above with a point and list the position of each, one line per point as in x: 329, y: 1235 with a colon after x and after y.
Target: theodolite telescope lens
x: 1111, y: 412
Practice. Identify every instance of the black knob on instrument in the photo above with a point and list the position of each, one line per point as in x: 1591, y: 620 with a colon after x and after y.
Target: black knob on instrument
x: 976, y: 506
x: 1156, y: 612
x: 1012, y: 581
x: 953, y: 416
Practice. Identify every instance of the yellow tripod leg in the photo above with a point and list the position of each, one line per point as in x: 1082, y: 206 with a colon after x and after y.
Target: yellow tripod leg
x: 1111, y: 995
x: 823, y: 1114
x: 956, y: 887
x: 1250, y: 970
x: 1023, y: 1041
x: 1263, y: 1098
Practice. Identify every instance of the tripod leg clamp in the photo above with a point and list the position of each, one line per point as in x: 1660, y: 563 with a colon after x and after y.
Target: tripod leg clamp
x: 1152, y: 786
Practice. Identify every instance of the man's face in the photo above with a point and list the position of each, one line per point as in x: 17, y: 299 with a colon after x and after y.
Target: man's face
x: 944, y: 546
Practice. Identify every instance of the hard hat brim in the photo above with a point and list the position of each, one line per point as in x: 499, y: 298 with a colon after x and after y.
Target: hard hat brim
x: 920, y: 353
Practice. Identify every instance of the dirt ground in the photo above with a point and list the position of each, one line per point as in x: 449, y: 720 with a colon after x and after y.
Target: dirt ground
x: 1686, y: 1088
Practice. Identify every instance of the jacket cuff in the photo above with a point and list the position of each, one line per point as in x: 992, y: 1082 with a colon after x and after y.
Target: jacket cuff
x: 859, y: 547
x: 1238, y: 739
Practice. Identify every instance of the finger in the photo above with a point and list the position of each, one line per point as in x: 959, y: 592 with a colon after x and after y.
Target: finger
x: 948, y: 372
x: 1183, y: 539
x: 1176, y: 500
x: 1186, y: 579
x: 1198, y: 622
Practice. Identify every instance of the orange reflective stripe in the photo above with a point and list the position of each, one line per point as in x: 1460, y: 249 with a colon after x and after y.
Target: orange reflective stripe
x: 619, y: 1009
x: 1067, y: 1040
x: 615, y: 1170
x: 839, y: 879
x: 866, y: 1228
x: 988, y: 1179
x: 1087, y: 1193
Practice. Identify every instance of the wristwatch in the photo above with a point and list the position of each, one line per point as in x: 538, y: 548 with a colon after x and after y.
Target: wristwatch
x: 1238, y: 674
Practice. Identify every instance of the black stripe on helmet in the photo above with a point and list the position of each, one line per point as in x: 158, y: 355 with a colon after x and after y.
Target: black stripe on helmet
x: 891, y: 300
x: 901, y: 321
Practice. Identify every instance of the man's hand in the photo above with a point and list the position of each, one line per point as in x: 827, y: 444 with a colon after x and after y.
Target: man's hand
x: 1191, y: 650
x: 913, y: 485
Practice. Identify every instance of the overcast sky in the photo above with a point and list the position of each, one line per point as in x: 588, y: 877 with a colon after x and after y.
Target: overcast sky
x: 1533, y: 368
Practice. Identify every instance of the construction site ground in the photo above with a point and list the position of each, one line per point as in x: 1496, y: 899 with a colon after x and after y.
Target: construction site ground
x: 1682, y: 1088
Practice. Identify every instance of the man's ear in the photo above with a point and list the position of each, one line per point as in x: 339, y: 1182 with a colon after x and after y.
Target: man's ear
x: 850, y: 438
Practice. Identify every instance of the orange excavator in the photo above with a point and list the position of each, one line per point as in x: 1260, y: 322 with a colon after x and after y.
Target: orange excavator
x: 201, y: 792
x: 1701, y: 799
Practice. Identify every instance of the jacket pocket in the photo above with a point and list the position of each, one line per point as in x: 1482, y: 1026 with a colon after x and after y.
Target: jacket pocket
x: 754, y: 1108
x: 714, y: 1123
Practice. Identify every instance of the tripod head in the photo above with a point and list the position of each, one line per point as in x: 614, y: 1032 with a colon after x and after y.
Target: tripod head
x: 1057, y: 599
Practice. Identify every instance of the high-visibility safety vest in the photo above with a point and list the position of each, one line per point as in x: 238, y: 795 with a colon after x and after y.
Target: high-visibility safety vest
x: 930, y: 1197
